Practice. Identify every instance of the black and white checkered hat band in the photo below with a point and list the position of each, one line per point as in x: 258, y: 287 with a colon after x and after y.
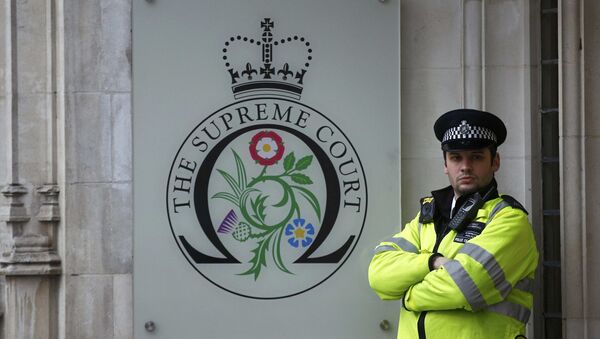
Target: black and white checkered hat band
x: 465, y: 131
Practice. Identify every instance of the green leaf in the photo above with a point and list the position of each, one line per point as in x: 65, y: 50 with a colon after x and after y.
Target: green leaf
x: 258, y: 206
x: 284, y: 199
x: 231, y: 181
x: 276, y: 251
x: 241, y: 172
x: 301, y: 179
x: 288, y: 162
x: 249, y: 190
x: 227, y: 196
x: 246, y: 192
x: 259, y: 258
x: 303, y: 163
x: 311, y: 198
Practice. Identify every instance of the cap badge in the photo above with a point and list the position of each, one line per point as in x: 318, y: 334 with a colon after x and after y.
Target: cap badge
x: 464, y: 127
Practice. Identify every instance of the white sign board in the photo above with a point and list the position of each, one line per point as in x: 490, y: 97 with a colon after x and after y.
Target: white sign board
x: 265, y: 166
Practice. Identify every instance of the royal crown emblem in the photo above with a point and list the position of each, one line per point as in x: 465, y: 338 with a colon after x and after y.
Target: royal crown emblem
x: 270, y: 76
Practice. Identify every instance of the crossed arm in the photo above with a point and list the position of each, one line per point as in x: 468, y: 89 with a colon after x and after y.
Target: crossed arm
x: 482, y: 273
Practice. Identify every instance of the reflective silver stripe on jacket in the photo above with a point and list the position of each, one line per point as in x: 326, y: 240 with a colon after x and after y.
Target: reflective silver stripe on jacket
x: 497, y: 209
x: 466, y: 285
x: 404, y: 244
x: 487, y: 260
x: 383, y: 248
x: 513, y: 310
x: 525, y: 284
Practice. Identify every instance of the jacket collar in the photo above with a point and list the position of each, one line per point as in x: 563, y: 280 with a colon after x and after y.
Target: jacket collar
x: 443, y: 197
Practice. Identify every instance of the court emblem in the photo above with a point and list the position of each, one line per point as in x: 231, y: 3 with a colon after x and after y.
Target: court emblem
x: 266, y: 197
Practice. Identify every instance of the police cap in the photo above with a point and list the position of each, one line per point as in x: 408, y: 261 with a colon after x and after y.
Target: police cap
x: 469, y: 129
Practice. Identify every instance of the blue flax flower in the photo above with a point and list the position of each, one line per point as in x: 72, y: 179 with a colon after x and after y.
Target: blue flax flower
x: 300, y: 233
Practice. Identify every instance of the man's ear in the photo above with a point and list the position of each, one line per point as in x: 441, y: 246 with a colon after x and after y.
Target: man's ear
x: 496, y: 162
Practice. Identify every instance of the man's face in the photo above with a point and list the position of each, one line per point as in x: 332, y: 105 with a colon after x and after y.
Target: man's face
x: 470, y: 170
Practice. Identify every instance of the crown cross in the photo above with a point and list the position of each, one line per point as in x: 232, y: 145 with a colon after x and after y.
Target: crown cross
x: 267, y: 71
x: 267, y: 24
x: 273, y: 76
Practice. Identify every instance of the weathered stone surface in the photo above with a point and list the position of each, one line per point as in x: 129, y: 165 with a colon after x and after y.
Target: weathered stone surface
x: 426, y: 94
x: 31, y: 254
x: 122, y: 137
x: 14, y: 210
x: 505, y: 91
x: 90, y: 306
x: 98, y: 45
x: 430, y: 32
x: 5, y: 43
x: 49, y: 209
x: 574, y: 327
x: 511, y: 184
x: 123, y: 306
x: 99, y: 234
x: 506, y: 25
x: 591, y: 72
x: 419, y: 177
x: 592, y: 235
x: 32, y: 61
x: 35, y: 299
x: 4, y: 137
x: 31, y: 137
x: 88, y: 134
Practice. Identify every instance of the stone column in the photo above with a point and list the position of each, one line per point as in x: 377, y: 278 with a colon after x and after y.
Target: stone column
x: 590, y: 48
x: 29, y: 212
x: 473, y: 53
x: 574, y: 291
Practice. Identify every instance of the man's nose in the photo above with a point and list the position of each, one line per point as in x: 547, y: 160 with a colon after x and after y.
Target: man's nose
x: 466, y: 165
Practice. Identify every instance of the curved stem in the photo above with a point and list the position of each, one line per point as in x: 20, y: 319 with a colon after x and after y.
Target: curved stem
x: 276, y: 251
x: 286, y: 187
x: 258, y: 178
x: 250, y: 219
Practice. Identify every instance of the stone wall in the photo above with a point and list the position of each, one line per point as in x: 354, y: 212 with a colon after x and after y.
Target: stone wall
x: 66, y: 235
x: 65, y: 146
x: 464, y: 53
x: 96, y: 237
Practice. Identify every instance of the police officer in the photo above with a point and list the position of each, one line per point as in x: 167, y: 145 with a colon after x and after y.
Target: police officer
x: 464, y: 266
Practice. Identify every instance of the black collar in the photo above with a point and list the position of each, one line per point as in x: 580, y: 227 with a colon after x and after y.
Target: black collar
x: 443, y: 198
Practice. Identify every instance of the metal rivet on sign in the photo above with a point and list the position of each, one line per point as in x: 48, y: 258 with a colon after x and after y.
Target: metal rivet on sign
x: 384, y: 325
x: 150, y: 326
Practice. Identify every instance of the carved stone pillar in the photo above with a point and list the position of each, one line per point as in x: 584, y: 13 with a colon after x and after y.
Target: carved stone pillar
x: 29, y: 210
x: 473, y: 53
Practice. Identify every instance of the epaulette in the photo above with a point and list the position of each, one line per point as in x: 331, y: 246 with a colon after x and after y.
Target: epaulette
x: 513, y: 203
x: 427, y: 210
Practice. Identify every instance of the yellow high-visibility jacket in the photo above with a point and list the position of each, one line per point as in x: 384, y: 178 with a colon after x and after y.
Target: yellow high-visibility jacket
x: 484, y: 291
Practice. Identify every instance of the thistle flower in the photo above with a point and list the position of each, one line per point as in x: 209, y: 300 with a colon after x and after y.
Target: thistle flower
x: 228, y: 223
x: 241, y: 232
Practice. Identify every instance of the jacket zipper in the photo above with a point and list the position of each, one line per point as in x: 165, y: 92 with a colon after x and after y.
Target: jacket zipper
x: 421, y: 321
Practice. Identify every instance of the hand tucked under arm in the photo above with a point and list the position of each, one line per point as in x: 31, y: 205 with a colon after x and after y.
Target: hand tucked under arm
x: 484, y: 271
x: 436, y: 260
